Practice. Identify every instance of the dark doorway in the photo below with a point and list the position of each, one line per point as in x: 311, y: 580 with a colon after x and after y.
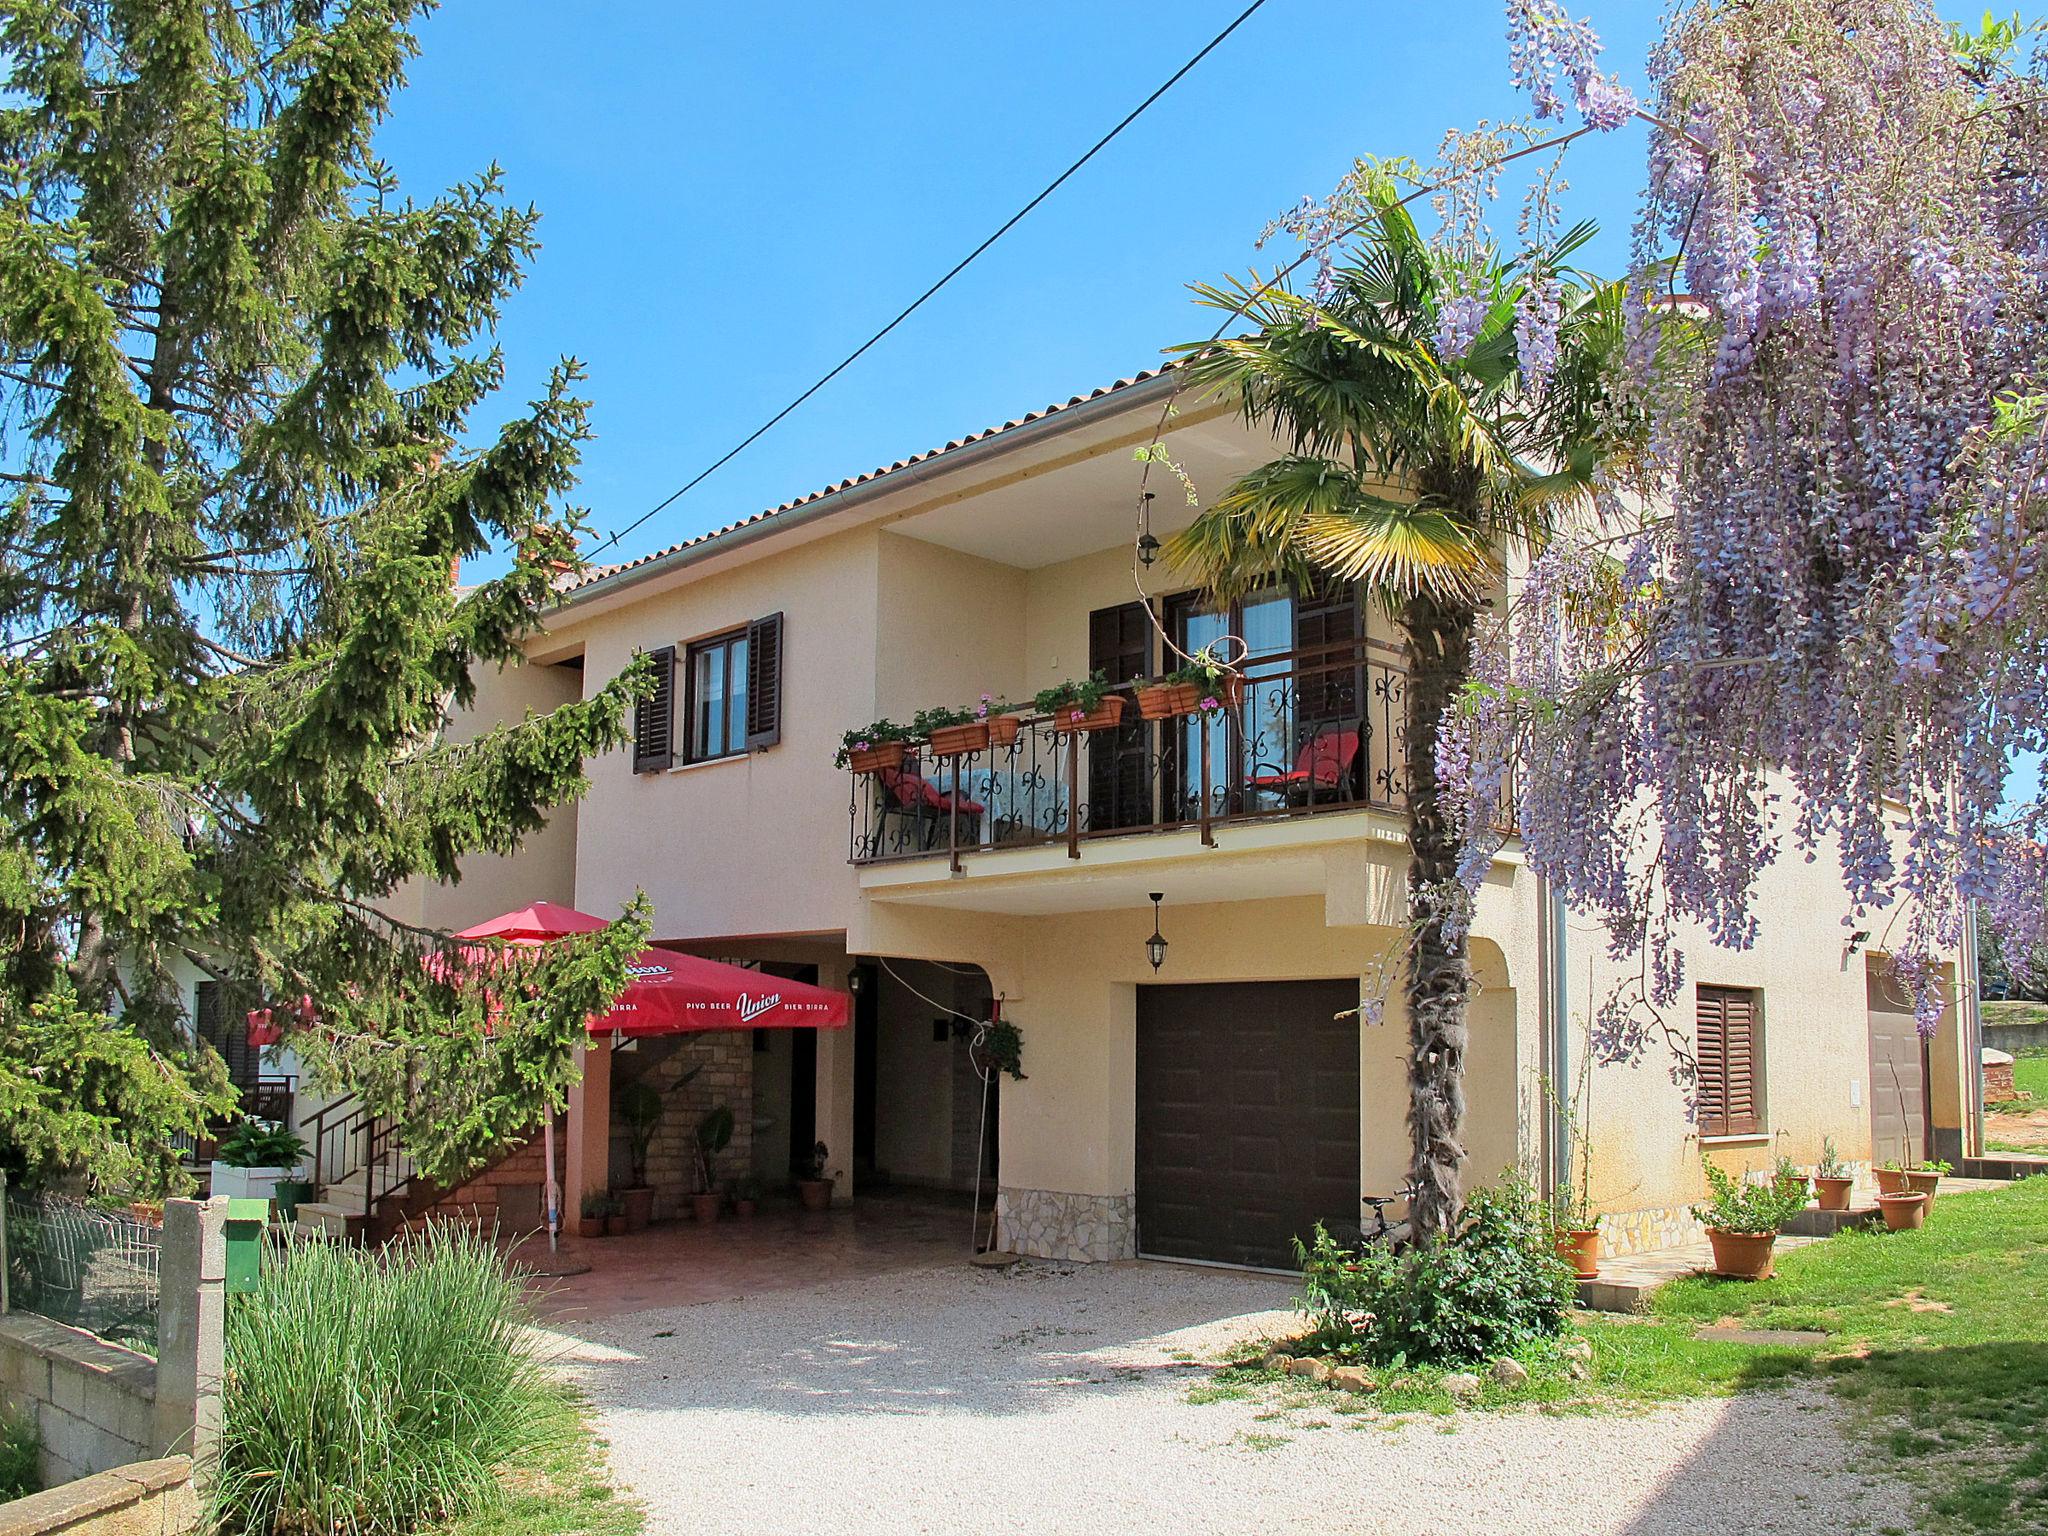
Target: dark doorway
x: 1119, y: 777
x: 1248, y: 1118
x: 867, y: 1023
x: 803, y: 1071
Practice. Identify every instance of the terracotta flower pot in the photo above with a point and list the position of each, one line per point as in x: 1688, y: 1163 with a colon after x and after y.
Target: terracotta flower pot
x: 1904, y: 1212
x: 1003, y: 729
x: 957, y: 740
x: 1580, y: 1248
x: 1105, y: 716
x: 639, y: 1205
x: 816, y: 1194
x: 615, y: 1226
x: 1742, y: 1255
x: 1165, y: 701
x: 1890, y: 1181
x: 704, y: 1208
x: 1834, y: 1193
x: 887, y: 754
x: 1923, y: 1181
x: 590, y: 1226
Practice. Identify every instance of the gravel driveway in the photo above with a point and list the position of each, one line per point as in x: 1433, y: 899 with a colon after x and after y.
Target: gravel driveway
x: 1054, y: 1399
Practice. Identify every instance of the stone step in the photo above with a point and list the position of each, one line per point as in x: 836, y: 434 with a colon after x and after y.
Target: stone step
x: 1815, y: 1222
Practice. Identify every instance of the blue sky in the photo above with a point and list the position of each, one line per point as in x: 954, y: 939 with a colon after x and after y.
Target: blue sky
x: 735, y: 196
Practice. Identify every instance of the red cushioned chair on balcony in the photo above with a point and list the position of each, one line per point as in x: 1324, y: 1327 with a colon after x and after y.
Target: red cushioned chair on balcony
x: 929, y: 807
x: 1322, y: 771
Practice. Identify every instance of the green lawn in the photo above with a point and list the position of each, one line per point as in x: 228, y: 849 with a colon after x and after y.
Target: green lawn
x: 568, y: 1492
x: 1939, y: 1337
x: 2030, y: 1074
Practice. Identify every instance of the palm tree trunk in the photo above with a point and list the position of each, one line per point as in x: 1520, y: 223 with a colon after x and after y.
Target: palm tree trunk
x: 1439, y: 647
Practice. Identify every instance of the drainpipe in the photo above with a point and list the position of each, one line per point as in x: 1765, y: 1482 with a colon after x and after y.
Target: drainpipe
x: 1970, y: 1015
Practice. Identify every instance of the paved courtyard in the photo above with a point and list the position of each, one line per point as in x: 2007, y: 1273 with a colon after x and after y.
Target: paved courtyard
x: 1053, y: 1398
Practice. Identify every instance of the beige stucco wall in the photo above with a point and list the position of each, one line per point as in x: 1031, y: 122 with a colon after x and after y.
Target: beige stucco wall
x: 754, y: 844
x: 949, y: 627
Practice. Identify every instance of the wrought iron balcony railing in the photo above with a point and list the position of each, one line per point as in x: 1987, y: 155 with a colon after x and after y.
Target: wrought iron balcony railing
x: 1312, y: 731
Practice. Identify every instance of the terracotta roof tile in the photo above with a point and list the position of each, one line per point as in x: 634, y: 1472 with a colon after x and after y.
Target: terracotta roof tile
x: 599, y: 573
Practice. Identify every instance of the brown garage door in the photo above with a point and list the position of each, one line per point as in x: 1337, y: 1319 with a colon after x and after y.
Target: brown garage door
x: 1247, y: 1118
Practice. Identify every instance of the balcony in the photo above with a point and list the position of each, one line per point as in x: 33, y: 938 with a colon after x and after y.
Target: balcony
x: 1313, y: 732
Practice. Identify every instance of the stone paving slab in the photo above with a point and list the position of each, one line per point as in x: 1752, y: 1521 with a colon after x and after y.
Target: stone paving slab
x: 1720, y: 1335
x: 1627, y: 1284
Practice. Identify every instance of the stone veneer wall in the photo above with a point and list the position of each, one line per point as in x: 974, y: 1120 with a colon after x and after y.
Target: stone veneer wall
x: 727, y: 1057
x: 149, y: 1498
x: 1047, y: 1224
x: 1625, y: 1232
x: 507, y: 1196
x: 93, y: 1402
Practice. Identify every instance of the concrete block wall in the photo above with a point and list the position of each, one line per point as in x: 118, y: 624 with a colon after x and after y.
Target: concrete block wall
x: 150, y: 1498
x: 94, y: 1402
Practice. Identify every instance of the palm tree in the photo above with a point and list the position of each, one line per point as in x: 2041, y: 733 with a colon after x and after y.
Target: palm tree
x: 1411, y: 472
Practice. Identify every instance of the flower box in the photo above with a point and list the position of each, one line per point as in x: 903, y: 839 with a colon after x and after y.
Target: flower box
x: 1165, y: 701
x: 1106, y: 716
x: 1003, y: 730
x: 886, y: 754
x: 957, y: 740
x: 245, y: 1183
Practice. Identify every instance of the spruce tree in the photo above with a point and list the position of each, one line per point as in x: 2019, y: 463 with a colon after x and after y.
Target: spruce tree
x: 240, y: 374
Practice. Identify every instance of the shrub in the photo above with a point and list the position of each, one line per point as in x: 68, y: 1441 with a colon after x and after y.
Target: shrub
x: 1491, y: 1289
x: 374, y: 1393
x: 1743, y: 1207
x: 20, y: 1450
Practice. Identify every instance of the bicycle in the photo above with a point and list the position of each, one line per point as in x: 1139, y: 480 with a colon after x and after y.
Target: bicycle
x: 1394, y: 1235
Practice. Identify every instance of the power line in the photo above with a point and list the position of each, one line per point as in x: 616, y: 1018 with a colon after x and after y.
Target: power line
x: 917, y: 303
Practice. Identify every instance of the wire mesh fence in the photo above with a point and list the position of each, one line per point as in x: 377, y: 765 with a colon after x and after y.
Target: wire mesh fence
x: 78, y: 1264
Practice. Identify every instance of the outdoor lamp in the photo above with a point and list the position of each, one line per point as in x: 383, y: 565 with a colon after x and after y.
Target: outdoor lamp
x: 1155, y: 947
x: 857, y: 980
x: 1858, y: 939
x: 1148, y: 547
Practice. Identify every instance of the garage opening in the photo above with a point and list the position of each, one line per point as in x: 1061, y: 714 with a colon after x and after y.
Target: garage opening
x: 1247, y: 1118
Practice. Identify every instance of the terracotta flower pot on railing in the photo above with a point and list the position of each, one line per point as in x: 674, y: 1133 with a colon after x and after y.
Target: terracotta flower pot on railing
x: 1904, y: 1212
x: 1105, y: 716
x: 1742, y: 1255
x: 1834, y: 1193
x: 884, y: 754
x: 1003, y: 730
x: 1166, y: 701
x: 958, y: 740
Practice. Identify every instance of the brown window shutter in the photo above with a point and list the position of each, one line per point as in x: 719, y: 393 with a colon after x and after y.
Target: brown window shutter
x: 1725, y: 1047
x: 764, y: 681
x: 654, y: 717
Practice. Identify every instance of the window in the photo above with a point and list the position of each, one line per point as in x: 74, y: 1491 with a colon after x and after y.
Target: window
x: 217, y: 1023
x: 718, y: 698
x: 732, y: 698
x: 1728, y: 1046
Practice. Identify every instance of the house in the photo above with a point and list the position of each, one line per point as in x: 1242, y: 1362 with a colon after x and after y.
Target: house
x: 1209, y: 1106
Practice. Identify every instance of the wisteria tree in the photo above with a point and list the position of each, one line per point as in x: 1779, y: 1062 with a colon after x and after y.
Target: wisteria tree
x: 1830, y: 636
x: 237, y: 371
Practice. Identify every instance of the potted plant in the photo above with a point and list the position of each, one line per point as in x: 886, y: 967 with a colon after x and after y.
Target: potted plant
x: 614, y: 1217
x: 1742, y: 1221
x: 591, y: 1222
x: 1904, y: 1210
x: 952, y: 732
x: 873, y: 747
x: 1924, y: 1177
x: 1890, y: 1176
x: 1791, y: 1181
x: 1164, y: 698
x: 640, y: 1107
x: 1204, y: 683
x: 1081, y: 707
x: 813, y: 1188
x: 1573, y: 1231
x: 714, y: 1135
x: 1004, y: 724
x: 252, y: 1161
x: 746, y: 1198
x: 1832, y: 1179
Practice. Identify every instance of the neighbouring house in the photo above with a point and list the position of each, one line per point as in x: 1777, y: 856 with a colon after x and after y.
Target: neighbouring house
x: 1207, y: 1108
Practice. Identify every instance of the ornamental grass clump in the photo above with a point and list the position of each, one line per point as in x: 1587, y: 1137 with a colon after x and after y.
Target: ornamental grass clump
x: 374, y: 1393
x: 1493, y: 1287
